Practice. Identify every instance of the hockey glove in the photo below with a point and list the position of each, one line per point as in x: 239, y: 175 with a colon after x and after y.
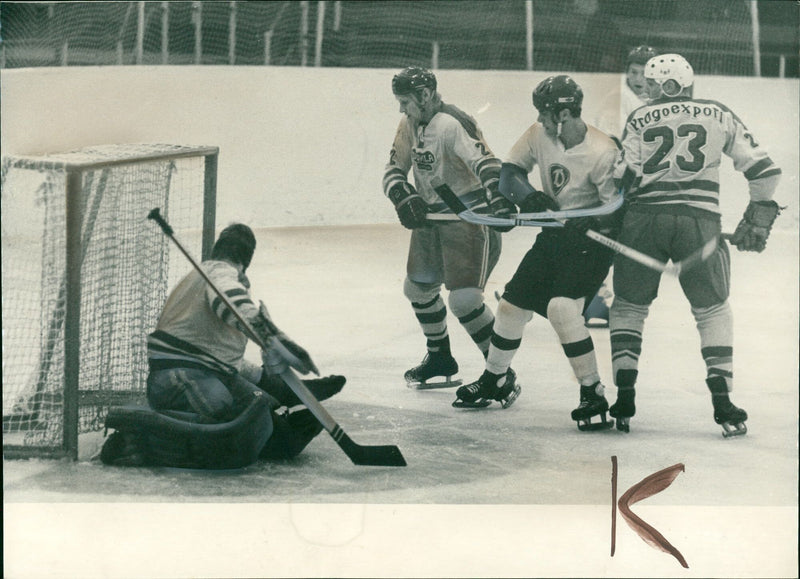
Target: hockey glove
x: 753, y: 230
x: 410, y: 207
x: 607, y: 225
x: 499, y: 206
x: 306, y: 363
x: 538, y: 201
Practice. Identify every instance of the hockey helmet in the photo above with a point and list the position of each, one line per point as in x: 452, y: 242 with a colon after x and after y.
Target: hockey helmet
x: 669, y: 67
x: 641, y: 54
x: 556, y: 93
x: 236, y: 243
x: 412, y: 79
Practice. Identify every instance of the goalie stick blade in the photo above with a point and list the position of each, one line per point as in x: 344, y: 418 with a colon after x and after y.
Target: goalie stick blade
x: 387, y: 455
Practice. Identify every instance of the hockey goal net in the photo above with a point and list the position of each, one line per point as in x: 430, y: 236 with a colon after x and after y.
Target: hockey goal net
x: 84, y: 277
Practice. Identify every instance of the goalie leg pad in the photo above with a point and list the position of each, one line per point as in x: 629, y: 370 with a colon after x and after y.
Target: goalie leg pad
x: 291, y: 435
x: 145, y: 437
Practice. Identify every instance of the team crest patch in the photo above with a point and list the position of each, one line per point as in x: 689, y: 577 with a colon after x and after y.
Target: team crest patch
x: 424, y: 160
x: 559, y: 177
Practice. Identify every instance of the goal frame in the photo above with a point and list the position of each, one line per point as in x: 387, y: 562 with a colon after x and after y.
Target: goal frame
x: 74, y: 172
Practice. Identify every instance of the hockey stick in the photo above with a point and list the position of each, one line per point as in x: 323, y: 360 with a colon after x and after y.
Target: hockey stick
x: 457, y: 206
x: 530, y: 219
x: 362, y: 455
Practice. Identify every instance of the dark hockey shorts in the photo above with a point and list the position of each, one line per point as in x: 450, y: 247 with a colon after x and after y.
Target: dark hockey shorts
x: 561, y: 263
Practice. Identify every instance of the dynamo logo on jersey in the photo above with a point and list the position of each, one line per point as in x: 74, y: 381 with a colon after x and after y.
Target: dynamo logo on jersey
x: 424, y: 160
x: 559, y: 177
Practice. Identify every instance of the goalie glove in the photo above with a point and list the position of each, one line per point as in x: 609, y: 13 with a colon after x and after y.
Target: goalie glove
x: 410, y: 207
x: 282, y: 354
x: 753, y: 230
x: 499, y: 206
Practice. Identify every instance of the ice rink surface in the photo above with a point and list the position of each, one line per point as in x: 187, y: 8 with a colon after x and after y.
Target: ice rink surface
x: 338, y: 292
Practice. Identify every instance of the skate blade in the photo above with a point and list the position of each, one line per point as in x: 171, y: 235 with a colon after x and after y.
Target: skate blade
x: 729, y: 429
x: 509, y: 400
x: 589, y: 426
x: 482, y: 403
x: 434, y: 385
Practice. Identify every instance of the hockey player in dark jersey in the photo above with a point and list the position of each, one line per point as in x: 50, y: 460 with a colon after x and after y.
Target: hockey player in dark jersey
x: 564, y: 268
x: 670, y: 173
x: 438, y: 141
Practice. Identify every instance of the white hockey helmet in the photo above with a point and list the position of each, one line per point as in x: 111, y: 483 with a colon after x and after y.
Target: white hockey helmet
x: 672, y: 67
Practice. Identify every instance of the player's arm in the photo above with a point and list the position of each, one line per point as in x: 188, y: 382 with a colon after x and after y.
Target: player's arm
x: 602, y: 177
x: 411, y: 208
x: 234, y: 285
x: 762, y: 178
x: 514, y: 185
x: 466, y: 141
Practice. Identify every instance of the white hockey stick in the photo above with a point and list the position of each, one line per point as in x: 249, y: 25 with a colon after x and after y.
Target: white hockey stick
x: 457, y: 206
x: 532, y: 219
x: 362, y: 455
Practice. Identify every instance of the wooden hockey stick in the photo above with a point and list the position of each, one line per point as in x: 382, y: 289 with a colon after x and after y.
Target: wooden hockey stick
x: 387, y: 455
x: 531, y: 219
x: 457, y: 206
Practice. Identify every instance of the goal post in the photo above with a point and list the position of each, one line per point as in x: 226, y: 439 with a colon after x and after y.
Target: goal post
x: 84, y: 278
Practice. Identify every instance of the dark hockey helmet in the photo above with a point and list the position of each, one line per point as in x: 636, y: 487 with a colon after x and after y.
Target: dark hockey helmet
x: 556, y: 93
x: 236, y: 243
x: 640, y: 55
x: 412, y: 79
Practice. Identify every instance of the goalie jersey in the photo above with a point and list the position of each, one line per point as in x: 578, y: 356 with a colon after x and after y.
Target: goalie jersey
x: 196, y: 328
x: 450, y: 148
x: 672, y: 151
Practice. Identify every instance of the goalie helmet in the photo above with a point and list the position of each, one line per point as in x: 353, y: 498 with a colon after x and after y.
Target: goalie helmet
x: 412, y: 79
x: 669, y: 67
x: 235, y: 243
x: 641, y: 54
x: 556, y: 93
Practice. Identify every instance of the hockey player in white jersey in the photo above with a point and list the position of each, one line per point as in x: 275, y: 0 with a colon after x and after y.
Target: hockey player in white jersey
x: 564, y: 268
x: 618, y: 105
x: 672, y: 150
x: 434, y: 141
x: 631, y: 94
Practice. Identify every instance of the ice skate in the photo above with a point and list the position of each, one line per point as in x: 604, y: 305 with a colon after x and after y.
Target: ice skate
x: 726, y: 414
x: 480, y: 393
x: 593, y: 403
x: 624, y: 408
x: 434, y: 365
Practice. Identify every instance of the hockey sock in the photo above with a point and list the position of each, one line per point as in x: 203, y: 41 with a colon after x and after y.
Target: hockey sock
x: 566, y: 318
x: 715, y: 325
x: 506, y: 337
x: 432, y: 317
x: 626, y: 326
x: 467, y: 305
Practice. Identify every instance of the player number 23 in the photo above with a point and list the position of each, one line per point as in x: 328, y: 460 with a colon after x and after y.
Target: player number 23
x: 667, y: 138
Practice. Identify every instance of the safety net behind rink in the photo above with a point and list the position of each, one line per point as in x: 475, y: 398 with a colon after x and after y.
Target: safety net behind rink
x: 80, y: 291
x: 720, y: 37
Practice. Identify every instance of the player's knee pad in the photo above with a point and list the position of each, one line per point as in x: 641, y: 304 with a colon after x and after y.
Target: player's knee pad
x: 464, y: 301
x: 622, y: 309
x: 715, y: 324
x: 179, y: 440
x: 563, y: 311
x: 715, y: 312
x: 420, y: 293
x: 510, y: 320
